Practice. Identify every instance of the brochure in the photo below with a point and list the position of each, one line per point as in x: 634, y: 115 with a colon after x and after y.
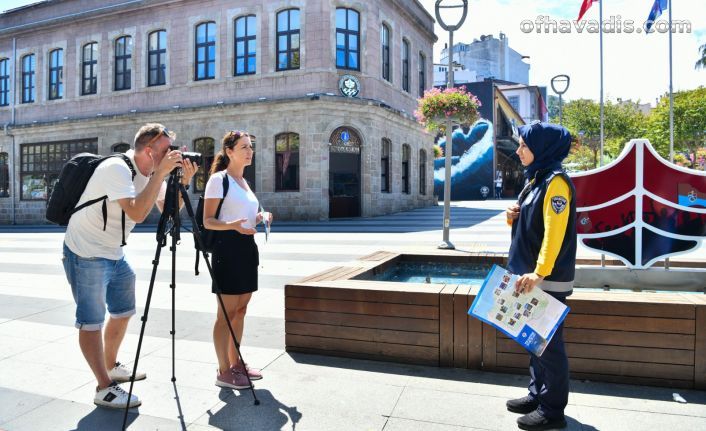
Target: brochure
x: 531, y: 319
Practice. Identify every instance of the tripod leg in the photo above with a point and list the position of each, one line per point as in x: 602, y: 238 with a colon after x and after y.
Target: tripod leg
x: 175, y: 238
x: 155, y: 263
x: 197, y: 239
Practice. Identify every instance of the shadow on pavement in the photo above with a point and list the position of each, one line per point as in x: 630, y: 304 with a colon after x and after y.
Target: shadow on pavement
x: 240, y: 412
x: 105, y: 419
x: 501, y: 379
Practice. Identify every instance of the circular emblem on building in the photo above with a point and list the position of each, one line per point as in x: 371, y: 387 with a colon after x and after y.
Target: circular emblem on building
x: 345, y: 136
x: 349, y: 85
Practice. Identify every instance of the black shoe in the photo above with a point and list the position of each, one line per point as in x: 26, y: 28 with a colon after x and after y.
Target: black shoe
x: 522, y: 405
x: 536, y: 421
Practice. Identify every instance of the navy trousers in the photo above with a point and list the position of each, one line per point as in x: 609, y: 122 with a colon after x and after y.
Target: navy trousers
x: 549, y: 373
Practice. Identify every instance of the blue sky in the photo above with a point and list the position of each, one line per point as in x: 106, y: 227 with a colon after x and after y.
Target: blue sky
x: 635, y: 65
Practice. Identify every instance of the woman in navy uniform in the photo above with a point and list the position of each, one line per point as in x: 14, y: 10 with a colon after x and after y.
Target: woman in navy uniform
x: 543, y: 253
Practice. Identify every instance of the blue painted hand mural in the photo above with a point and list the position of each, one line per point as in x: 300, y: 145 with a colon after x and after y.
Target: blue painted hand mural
x: 471, y: 162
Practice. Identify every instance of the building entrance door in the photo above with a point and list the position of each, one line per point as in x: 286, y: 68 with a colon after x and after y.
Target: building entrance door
x: 344, y: 174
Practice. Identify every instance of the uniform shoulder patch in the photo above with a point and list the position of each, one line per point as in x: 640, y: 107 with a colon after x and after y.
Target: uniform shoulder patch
x: 558, y: 204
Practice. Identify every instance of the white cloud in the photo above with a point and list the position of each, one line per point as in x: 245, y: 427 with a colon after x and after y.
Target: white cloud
x: 635, y: 65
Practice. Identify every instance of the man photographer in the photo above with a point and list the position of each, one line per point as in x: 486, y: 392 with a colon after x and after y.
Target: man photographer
x: 93, y: 256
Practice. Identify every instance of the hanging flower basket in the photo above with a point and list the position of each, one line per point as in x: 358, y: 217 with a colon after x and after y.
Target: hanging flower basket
x: 454, y: 104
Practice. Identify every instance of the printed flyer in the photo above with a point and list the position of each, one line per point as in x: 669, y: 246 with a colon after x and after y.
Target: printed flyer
x: 529, y: 318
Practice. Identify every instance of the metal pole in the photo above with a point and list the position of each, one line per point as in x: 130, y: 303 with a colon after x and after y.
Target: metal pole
x: 600, y: 21
x: 446, y: 244
x: 561, y: 111
x: 671, y: 91
x: 600, y: 162
x: 671, y: 106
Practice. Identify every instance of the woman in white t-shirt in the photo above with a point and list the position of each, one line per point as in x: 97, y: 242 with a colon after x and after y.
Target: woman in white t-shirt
x: 235, y: 254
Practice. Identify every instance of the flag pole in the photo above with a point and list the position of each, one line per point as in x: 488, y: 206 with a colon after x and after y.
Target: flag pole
x: 600, y: 22
x: 671, y: 91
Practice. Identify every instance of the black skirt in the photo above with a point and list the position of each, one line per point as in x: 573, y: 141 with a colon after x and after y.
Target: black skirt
x: 235, y: 262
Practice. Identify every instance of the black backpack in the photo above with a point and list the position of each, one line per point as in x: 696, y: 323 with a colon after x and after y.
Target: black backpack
x: 72, y: 182
x: 208, y: 237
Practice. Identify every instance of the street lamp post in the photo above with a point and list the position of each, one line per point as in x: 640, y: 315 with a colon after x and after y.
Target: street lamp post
x: 560, y: 84
x: 446, y: 243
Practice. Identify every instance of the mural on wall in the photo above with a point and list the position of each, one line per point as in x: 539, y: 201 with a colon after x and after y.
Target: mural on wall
x: 641, y: 208
x: 471, y: 162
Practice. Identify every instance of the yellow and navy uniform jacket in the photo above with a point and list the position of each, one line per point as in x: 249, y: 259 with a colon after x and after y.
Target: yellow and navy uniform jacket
x: 544, y: 235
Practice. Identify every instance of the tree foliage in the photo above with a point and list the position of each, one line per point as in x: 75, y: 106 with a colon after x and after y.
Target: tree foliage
x: 701, y: 62
x: 689, y: 123
x: 622, y: 122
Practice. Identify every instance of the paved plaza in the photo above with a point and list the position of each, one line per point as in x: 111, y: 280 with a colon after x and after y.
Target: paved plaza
x: 45, y: 383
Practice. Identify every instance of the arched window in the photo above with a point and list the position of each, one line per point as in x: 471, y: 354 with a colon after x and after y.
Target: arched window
x: 405, y: 65
x: 205, y: 46
x: 4, y: 176
x: 4, y: 82
x: 157, y: 58
x: 288, y: 28
x: 28, y: 72
x: 245, y: 45
x: 89, y: 69
x: 422, y: 172
x: 405, y: 168
x: 385, y: 166
x: 205, y: 146
x: 123, y: 63
x: 385, y: 37
x: 422, y: 73
x: 120, y: 147
x: 56, y: 74
x: 347, y: 39
x: 287, y: 162
x: 343, y: 138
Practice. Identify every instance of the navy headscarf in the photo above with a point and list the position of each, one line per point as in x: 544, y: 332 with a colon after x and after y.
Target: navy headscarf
x: 550, y: 144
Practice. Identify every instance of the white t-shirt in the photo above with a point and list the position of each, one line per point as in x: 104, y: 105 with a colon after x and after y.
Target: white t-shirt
x: 84, y: 234
x: 238, y: 203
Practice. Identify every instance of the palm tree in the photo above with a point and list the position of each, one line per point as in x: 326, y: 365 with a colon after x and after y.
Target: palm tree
x: 701, y: 63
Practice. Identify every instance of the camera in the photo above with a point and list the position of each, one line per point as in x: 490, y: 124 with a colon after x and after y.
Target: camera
x: 192, y: 156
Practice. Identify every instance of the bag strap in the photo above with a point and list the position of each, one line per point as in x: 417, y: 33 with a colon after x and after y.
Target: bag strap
x: 226, y: 184
x: 128, y: 162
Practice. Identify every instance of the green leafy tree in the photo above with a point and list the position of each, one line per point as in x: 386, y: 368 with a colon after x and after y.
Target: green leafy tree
x: 622, y: 122
x: 553, y: 108
x: 701, y: 62
x: 689, y: 122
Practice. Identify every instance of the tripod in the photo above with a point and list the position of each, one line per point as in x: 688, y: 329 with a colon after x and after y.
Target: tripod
x: 170, y: 224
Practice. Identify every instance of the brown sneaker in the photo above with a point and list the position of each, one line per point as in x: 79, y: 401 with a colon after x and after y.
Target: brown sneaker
x: 232, y: 379
x: 254, y: 373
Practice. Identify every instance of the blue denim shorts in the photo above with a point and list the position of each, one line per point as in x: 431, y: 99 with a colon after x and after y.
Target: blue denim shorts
x: 95, y: 282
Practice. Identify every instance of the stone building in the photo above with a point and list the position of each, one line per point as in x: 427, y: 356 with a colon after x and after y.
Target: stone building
x: 327, y: 87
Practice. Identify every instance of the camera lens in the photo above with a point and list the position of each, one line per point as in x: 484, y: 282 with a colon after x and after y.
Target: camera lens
x: 194, y: 157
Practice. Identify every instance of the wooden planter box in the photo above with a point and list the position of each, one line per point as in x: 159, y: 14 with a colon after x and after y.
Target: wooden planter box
x: 638, y: 338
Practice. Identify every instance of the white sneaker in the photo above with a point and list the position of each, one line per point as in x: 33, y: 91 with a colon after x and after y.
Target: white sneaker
x: 121, y: 374
x: 114, y: 397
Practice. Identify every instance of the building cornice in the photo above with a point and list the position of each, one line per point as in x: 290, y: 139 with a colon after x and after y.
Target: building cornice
x: 316, y: 98
x: 404, y: 7
x: 102, y: 11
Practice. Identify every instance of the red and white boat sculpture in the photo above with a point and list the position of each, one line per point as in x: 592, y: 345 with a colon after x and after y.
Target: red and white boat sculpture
x: 640, y: 208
